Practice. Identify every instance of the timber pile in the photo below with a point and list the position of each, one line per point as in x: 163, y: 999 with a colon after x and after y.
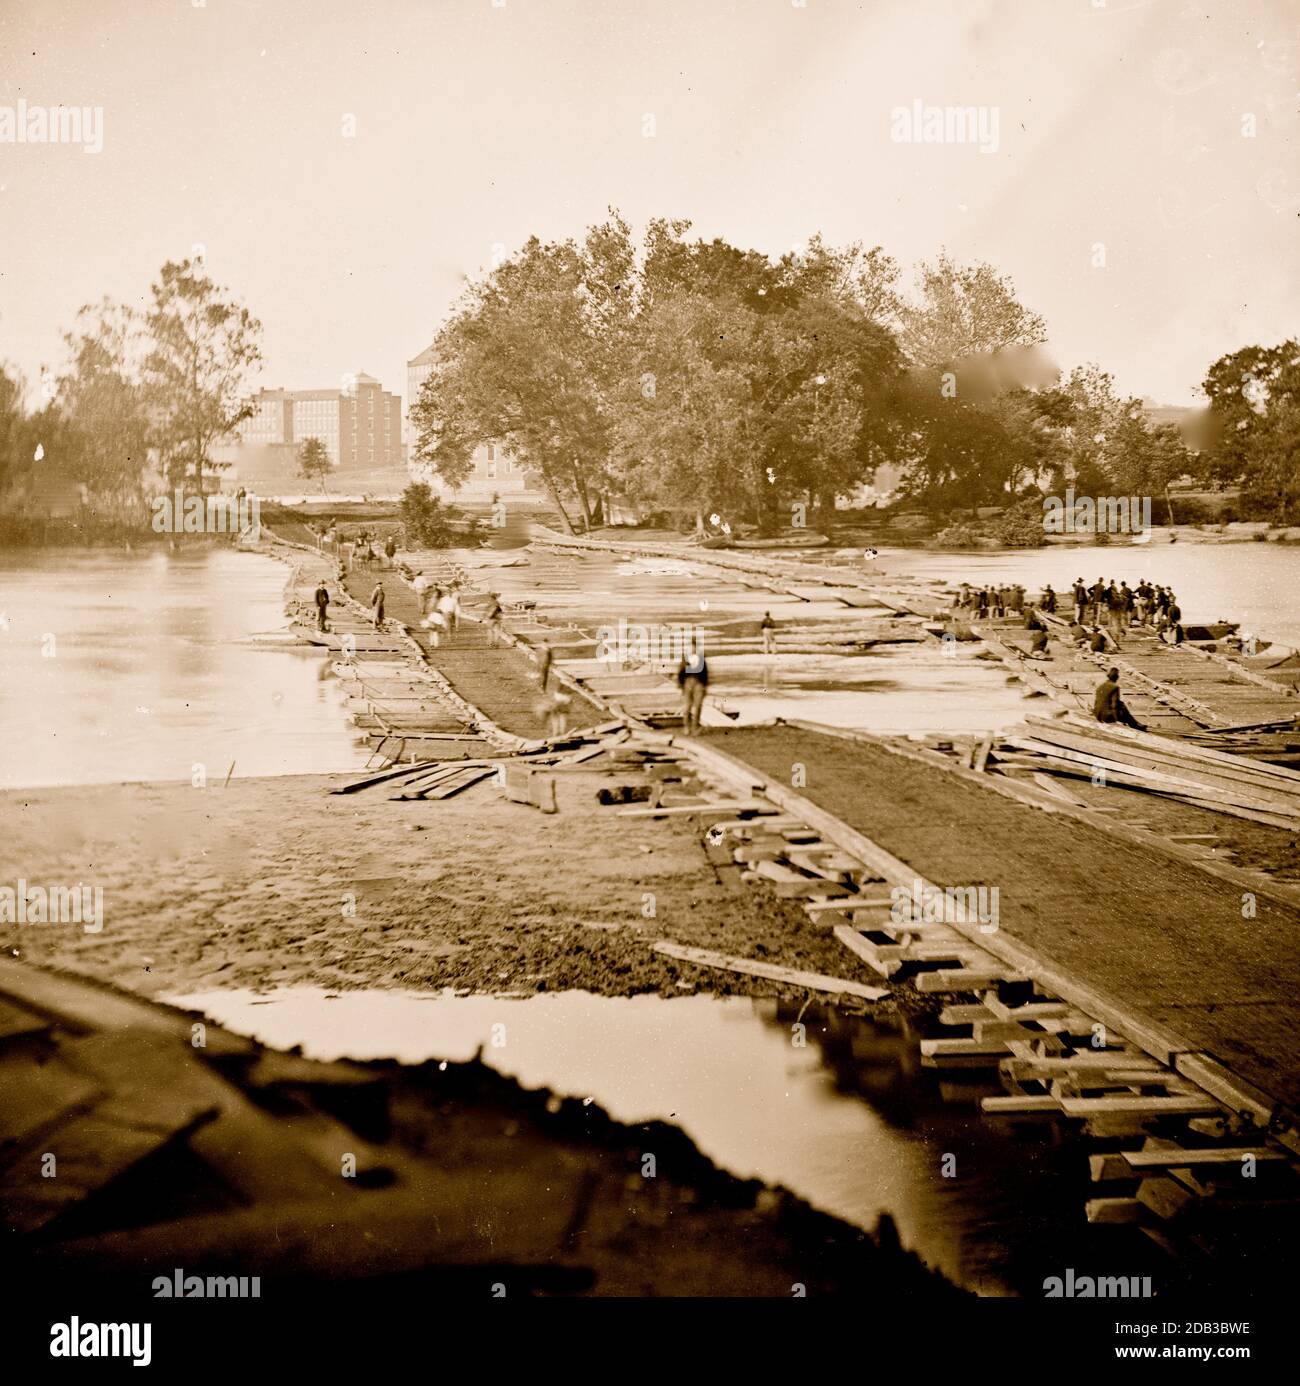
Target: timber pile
x: 1194, y: 774
x: 518, y: 775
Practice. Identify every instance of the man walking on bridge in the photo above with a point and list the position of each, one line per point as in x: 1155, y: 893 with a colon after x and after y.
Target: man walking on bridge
x: 322, y: 599
x: 768, y: 628
x: 693, y: 680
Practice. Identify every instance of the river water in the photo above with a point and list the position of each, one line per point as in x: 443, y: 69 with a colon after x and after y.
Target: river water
x: 143, y: 666
x: 848, y: 1120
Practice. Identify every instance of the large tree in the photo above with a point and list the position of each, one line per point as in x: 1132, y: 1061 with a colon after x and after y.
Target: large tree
x: 201, y: 349
x: 107, y: 426
x: 964, y: 311
x: 1254, y: 396
x: 523, y: 362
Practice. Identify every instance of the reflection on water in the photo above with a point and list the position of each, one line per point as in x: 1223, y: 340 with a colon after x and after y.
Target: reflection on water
x: 848, y: 1120
x: 907, y: 690
x: 140, y: 666
x: 910, y: 689
x: 901, y: 689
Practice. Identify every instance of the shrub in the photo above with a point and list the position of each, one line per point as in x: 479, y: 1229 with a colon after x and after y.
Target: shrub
x: 1188, y: 510
x: 956, y: 537
x: 1022, y: 526
x: 424, y: 518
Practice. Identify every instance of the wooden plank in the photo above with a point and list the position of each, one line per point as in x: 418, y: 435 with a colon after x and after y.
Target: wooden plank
x: 853, y: 902
x: 1188, y: 1159
x: 448, y: 789
x: 1120, y: 1071
x: 1020, y: 1105
x: 1112, y: 1211
x: 687, y: 810
x: 1055, y: 787
x: 862, y: 949
x: 966, y: 979
x: 1104, y: 1167
x: 740, y: 826
x: 385, y: 777
x: 814, y: 981
x: 790, y: 884
x: 1181, y: 1105
x: 1290, y: 778
x: 1182, y: 784
x: 963, y: 1046
x: 829, y: 862
x: 1165, y: 1197
x: 758, y: 849
x: 964, y: 1015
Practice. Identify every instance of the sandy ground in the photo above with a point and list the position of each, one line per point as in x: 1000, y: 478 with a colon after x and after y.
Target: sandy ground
x: 274, y: 881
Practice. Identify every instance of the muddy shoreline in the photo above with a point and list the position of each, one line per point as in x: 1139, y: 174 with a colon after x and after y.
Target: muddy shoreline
x: 276, y: 882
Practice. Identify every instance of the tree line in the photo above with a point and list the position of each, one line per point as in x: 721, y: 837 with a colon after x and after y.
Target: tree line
x: 683, y: 375
x: 693, y: 377
x: 142, y: 396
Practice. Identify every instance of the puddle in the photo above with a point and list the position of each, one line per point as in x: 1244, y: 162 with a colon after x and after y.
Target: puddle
x: 849, y: 1121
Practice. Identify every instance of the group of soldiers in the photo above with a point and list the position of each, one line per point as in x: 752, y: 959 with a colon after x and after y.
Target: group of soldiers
x: 994, y: 601
x: 1113, y: 604
x: 1121, y: 606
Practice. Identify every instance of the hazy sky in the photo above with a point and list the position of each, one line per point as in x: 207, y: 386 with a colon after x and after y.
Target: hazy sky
x: 478, y: 123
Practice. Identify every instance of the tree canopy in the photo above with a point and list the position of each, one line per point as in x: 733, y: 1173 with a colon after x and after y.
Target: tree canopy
x: 697, y: 377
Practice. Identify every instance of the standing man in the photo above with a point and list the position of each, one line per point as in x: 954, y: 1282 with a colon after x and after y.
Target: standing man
x: 377, y: 604
x: 693, y: 680
x: 1174, y: 618
x: 322, y: 605
x: 1080, y: 601
x: 1115, y: 606
x: 449, y: 608
x: 768, y: 628
x: 493, y: 620
x: 390, y: 548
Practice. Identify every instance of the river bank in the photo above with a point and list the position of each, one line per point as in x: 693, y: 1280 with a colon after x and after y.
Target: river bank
x: 275, y: 881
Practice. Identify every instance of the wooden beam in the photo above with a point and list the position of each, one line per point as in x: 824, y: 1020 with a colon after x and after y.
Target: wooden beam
x: 813, y: 981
